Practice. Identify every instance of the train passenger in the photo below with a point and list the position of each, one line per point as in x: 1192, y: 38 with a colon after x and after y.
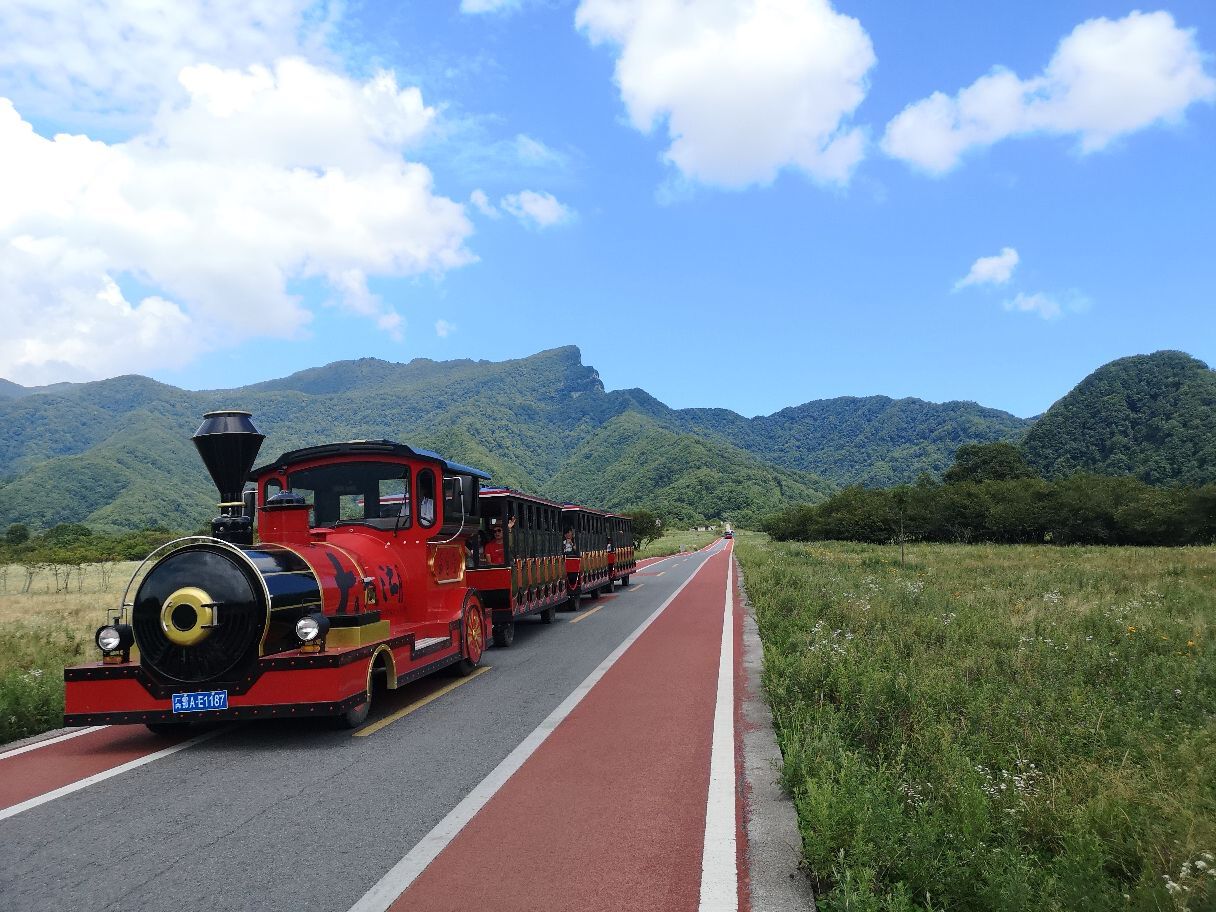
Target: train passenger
x: 569, y: 548
x: 494, y: 548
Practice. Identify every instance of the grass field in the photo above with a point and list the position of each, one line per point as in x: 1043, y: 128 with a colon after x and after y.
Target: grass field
x: 672, y: 542
x: 41, y: 631
x: 995, y: 728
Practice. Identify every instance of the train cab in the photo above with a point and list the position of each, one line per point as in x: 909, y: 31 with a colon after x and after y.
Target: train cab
x: 358, y: 577
x: 519, y: 569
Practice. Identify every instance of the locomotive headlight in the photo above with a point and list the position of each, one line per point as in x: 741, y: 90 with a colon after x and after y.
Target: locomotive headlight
x: 312, y: 627
x: 115, y: 638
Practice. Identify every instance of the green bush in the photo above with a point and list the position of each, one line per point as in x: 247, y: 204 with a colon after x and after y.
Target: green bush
x: 32, y: 657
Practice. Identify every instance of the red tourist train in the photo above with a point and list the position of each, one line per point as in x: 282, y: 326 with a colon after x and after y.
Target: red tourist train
x: 375, y: 564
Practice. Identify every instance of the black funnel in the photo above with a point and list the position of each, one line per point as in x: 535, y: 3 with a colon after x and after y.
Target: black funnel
x: 228, y: 443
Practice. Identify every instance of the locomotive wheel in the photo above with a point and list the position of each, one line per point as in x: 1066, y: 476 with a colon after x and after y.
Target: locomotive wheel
x: 474, y: 637
x: 625, y: 580
x: 594, y: 594
x: 353, y: 718
x: 167, y: 729
x: 504, y: 634
x: 547, y: 616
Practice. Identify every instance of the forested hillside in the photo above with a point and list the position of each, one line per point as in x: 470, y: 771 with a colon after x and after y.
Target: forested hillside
x: 1150, y: 416
x: 116, y: 453
x: 870, y: 441
x: 633, y: 460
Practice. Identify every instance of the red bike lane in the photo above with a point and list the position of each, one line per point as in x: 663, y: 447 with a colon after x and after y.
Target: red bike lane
x: 609, y: 813
x: 40, y: 769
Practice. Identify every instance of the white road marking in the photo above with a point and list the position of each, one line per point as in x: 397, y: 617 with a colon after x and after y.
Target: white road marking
x: 719, y: 876
x: 16, y: 809
x: 407, y: 870
x: 49, y: 741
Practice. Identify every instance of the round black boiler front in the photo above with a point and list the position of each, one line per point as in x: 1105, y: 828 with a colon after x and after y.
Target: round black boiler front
x: 199, y: 613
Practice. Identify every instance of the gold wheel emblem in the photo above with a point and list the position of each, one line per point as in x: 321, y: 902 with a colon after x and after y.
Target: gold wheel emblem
x: 187, y: 616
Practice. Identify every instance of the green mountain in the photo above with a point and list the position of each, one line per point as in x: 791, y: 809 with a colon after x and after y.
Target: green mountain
x: 1151, y: 416
x: 873, y: 441
x: 116, y: 453
x: 633, y: 460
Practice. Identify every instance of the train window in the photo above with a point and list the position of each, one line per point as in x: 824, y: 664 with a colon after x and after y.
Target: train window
x: 426, y: 498
x: 394, y: 501
x: 353, y: 492
x: 453, y: 504
x: 350, y: 506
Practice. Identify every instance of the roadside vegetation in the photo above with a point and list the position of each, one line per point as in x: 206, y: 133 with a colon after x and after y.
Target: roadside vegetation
x: 984, y: 727
x: 992, y: 494
x: 47, y: 621
x: 674, y: 541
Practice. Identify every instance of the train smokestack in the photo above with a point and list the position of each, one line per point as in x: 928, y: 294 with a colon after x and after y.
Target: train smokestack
x: 228, y: 443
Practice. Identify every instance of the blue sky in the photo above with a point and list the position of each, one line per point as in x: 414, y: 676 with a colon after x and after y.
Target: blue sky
x: 739, y: 204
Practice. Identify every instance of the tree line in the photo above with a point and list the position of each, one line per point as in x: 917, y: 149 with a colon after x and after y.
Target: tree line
x: 63, y: 550
x: 991, y: 494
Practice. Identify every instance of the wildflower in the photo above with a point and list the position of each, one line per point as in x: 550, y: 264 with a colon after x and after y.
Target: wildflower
x: 1190, y: 644
x: 1131, y: 629
x: 1177, y: 693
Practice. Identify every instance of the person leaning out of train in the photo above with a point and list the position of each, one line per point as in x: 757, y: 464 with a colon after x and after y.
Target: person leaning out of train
x: 494, y: 547
x: 569, y: 548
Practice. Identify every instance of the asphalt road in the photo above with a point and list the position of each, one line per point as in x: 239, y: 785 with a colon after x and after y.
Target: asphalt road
x: 294, y: 815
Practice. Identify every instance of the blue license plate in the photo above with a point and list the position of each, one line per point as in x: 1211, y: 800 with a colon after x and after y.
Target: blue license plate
x: 200, y: 702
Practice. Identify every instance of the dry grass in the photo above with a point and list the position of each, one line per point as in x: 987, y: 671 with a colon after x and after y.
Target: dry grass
x: 84, y: 606
x: 42, y: 631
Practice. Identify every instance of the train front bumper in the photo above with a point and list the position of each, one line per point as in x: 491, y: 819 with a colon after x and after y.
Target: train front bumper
x: 288, y: 685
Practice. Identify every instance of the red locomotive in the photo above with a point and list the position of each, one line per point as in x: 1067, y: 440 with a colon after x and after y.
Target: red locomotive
x: 359, y: 575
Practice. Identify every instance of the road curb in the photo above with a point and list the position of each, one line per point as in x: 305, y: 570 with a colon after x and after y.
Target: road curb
x: 774, y: 843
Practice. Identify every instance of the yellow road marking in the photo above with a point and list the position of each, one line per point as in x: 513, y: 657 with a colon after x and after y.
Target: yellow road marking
x: 583, y: 617
x: 637, y: 587
x: 417, y: 704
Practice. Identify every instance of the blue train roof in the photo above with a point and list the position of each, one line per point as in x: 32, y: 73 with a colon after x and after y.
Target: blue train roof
x: 362, y: 447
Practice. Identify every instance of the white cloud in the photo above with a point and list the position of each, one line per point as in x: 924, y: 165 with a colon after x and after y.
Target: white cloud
x: 1106, y: 79
x: 109, y: 59
x: 483, y: 205
x: 1046, y: 307
x: 227, y: 200
x: 1049, y: 306
x: 991, y: 270
x: 443, y: 328
x: 487, y: 6
x: 541, y: 210
x: 744, y: 89
x: 534, y: 152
